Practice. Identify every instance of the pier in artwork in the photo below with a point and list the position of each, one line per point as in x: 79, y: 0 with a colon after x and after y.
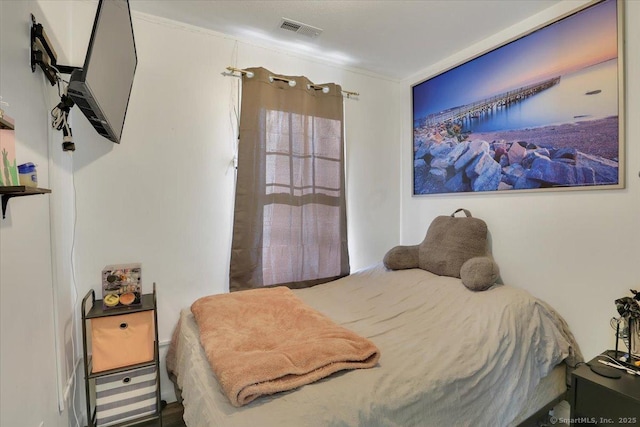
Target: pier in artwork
x: 475, y: 109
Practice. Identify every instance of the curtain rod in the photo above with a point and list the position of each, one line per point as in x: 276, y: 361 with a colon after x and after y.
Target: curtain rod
x: 311, y: 86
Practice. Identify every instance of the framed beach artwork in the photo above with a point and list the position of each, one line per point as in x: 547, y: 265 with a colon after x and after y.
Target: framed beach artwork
x: 544, y: 111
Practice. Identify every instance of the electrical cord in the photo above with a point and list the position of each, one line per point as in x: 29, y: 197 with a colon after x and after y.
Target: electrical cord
x: 75, y: 296
x: 617, y: 362
x: 60, y: 121
x: 60, y: 114
x: 234, y: 115
x: 577, y: 365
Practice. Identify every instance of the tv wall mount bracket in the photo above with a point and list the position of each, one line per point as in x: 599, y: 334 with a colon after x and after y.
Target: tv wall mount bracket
x: 44, y: 55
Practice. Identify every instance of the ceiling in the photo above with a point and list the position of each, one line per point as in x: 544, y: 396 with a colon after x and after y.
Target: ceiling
x: 393, y: 38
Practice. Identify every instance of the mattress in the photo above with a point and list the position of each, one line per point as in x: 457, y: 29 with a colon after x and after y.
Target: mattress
x: 449, y: 356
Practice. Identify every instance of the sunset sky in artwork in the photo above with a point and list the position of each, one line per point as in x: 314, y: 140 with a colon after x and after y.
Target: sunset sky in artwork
x: 580, y: 40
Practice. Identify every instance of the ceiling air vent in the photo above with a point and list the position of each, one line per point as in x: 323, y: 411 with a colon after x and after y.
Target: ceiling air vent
x: 300, y: 28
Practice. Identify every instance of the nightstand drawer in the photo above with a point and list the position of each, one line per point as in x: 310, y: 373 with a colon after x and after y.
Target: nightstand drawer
x: 120, y: 341
x: 126, y: 395
x: 599, y: 402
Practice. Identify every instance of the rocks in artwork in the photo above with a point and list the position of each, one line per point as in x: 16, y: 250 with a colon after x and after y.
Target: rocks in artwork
x: 447, y: 165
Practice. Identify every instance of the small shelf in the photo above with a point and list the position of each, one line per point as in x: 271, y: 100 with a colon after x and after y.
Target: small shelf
x: 147, y: 301
x: 5, y: 124
x: 93, y: 380
x: 18, y: 191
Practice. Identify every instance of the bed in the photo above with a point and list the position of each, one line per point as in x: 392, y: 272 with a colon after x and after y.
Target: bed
x: 449, y: 356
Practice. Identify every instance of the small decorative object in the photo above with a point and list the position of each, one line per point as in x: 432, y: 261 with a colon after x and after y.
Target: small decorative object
x: 8, y: 166
x: 121, y: 285
x: 28, y: 175
x: 629, y: 311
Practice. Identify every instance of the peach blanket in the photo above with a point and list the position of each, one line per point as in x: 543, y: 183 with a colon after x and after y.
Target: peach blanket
x: 264, y: 341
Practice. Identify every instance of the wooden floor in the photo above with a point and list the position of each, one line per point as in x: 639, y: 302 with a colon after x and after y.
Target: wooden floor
x: 171, y: 416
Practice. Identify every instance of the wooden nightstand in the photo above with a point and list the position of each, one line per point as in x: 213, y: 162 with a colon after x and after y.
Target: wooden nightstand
x: 597, y: 400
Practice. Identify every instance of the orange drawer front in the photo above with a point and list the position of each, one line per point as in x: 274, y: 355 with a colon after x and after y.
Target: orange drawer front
x: 118, y: 341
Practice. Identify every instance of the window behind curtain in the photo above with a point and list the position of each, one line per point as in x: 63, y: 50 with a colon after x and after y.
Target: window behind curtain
x: 290, y: 216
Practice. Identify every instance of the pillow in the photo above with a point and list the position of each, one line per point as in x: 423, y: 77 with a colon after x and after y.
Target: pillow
x: 479, y: 273
x: 401, y: 258
x: 455, y: 247
x: 450, y: 242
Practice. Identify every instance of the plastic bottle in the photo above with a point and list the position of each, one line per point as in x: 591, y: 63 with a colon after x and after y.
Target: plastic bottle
x: 28, y: 175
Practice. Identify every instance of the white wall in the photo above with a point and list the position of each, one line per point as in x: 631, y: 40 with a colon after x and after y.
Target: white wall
x: 36, y: 307
x: 577, y: 250
x: 164, y: 196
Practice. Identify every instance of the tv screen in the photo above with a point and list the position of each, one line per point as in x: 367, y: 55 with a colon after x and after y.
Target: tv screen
x: 101, y: 89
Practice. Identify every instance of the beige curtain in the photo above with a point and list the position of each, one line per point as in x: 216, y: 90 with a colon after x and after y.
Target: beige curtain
x: 290, y: 216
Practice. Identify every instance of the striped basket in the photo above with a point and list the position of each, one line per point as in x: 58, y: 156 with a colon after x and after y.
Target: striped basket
x: 125, y: 396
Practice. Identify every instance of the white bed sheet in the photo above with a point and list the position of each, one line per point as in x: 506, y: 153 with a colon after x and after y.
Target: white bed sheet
x: 449, y: 356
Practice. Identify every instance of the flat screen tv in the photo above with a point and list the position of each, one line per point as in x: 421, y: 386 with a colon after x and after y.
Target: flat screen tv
x: 101, y: 88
